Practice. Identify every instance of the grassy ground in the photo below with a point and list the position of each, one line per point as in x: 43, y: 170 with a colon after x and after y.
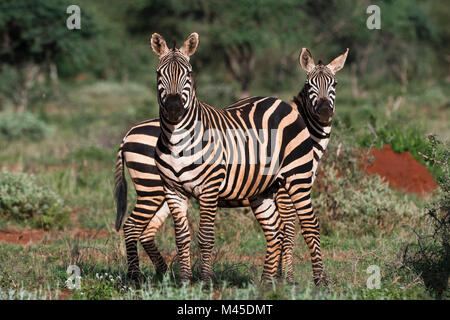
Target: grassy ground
x: 76, y: 160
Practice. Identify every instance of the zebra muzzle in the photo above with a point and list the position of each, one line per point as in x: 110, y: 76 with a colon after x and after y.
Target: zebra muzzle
x: 325, y: 111
x: 173, y: 108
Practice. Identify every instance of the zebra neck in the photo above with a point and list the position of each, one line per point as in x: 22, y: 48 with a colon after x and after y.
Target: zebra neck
x: 320, y: 132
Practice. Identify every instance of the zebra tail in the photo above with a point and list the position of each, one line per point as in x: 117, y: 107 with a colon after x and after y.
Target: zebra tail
x: 120, y: 189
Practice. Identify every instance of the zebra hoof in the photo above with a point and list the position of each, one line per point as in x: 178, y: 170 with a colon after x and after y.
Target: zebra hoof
x: 161, y: 270
x: 136, y: 276
x: 321, y: 280
x: 207, y: 283
x: 185, y: 278
x: 159, y: 274
x: 290, y: 281
x: 207, y: 279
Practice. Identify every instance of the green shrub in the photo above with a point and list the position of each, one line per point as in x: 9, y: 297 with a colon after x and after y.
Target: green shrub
x: 23, y: 200
x: 429, y: 255
x: 22, y: 125
x: 10, y: 84
x: 364, y: 207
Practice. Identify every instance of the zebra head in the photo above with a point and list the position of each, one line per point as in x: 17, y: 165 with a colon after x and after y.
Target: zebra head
x: 321, y: 84
x: 175, y: 81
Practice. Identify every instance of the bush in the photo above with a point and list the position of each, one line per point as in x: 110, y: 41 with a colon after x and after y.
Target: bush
x: 22, y: 200
x: 22, y: 125
x: 10, y: 85
x: 429, y: 256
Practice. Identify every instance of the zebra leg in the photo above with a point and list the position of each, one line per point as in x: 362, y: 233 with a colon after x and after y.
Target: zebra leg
x: 265, y: 210
x: 206, y: 236
x: 178, y: 208
x: 287, y: 213
x: 132, y: 228
x: 147, y: 238
x: 298, y: 187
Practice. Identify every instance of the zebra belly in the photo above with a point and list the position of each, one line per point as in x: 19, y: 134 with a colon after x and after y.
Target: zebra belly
x: 191, y: 181
x: 247, y: 185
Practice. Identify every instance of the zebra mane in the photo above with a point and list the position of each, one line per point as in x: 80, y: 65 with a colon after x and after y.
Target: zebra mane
x: 301, y: 99
x: 194, y: 81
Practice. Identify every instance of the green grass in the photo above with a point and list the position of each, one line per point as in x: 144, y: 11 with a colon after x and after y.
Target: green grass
x: 363, y: 221
x: 103, y: 273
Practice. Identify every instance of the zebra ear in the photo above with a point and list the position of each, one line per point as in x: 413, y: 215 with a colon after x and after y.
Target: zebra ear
x: 306, y: 60
x: 338, y: 63
x: 190, y: 45
x: 158, y: 44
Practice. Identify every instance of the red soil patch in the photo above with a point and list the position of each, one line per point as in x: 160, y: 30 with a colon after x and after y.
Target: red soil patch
x: 400, y: 170
x: 31, y: 236
x: 23, y: 237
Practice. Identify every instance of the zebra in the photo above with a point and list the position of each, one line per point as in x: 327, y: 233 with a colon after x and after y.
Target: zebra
x: 138, y: 146
x: 316, y: 105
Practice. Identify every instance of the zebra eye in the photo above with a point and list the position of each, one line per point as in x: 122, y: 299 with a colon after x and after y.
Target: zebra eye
x: 158, y: 74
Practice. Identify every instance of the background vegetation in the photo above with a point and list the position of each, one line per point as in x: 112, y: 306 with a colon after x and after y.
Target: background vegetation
x: 67, y: 97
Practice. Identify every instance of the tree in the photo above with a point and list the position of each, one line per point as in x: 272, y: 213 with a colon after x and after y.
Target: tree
x: 33, y: 34
x: 237, y: 31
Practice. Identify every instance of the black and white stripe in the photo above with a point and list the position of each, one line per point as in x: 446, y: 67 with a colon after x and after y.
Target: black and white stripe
x: 196, y: 157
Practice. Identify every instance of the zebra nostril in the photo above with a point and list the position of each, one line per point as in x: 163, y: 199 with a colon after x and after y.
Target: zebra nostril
x: 172, y: 108
x: 323, y: 104
x: 324, y: 109
x: 172, y: 100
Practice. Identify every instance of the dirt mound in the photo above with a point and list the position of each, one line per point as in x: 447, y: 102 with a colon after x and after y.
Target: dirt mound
x: 400, y: 170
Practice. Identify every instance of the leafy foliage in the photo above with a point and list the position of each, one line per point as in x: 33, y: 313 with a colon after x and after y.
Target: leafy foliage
x: 23, y: 200
x: 430, y: 255
x: 245, y: 27
x: 15, y: 125
x: 34, y: 38
x: 35, y: 31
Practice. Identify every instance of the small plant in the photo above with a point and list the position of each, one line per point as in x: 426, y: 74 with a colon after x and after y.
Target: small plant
x: 15, y: 125
x: 429, y: 256
x: 23, y: 200
x: 104, y: 286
